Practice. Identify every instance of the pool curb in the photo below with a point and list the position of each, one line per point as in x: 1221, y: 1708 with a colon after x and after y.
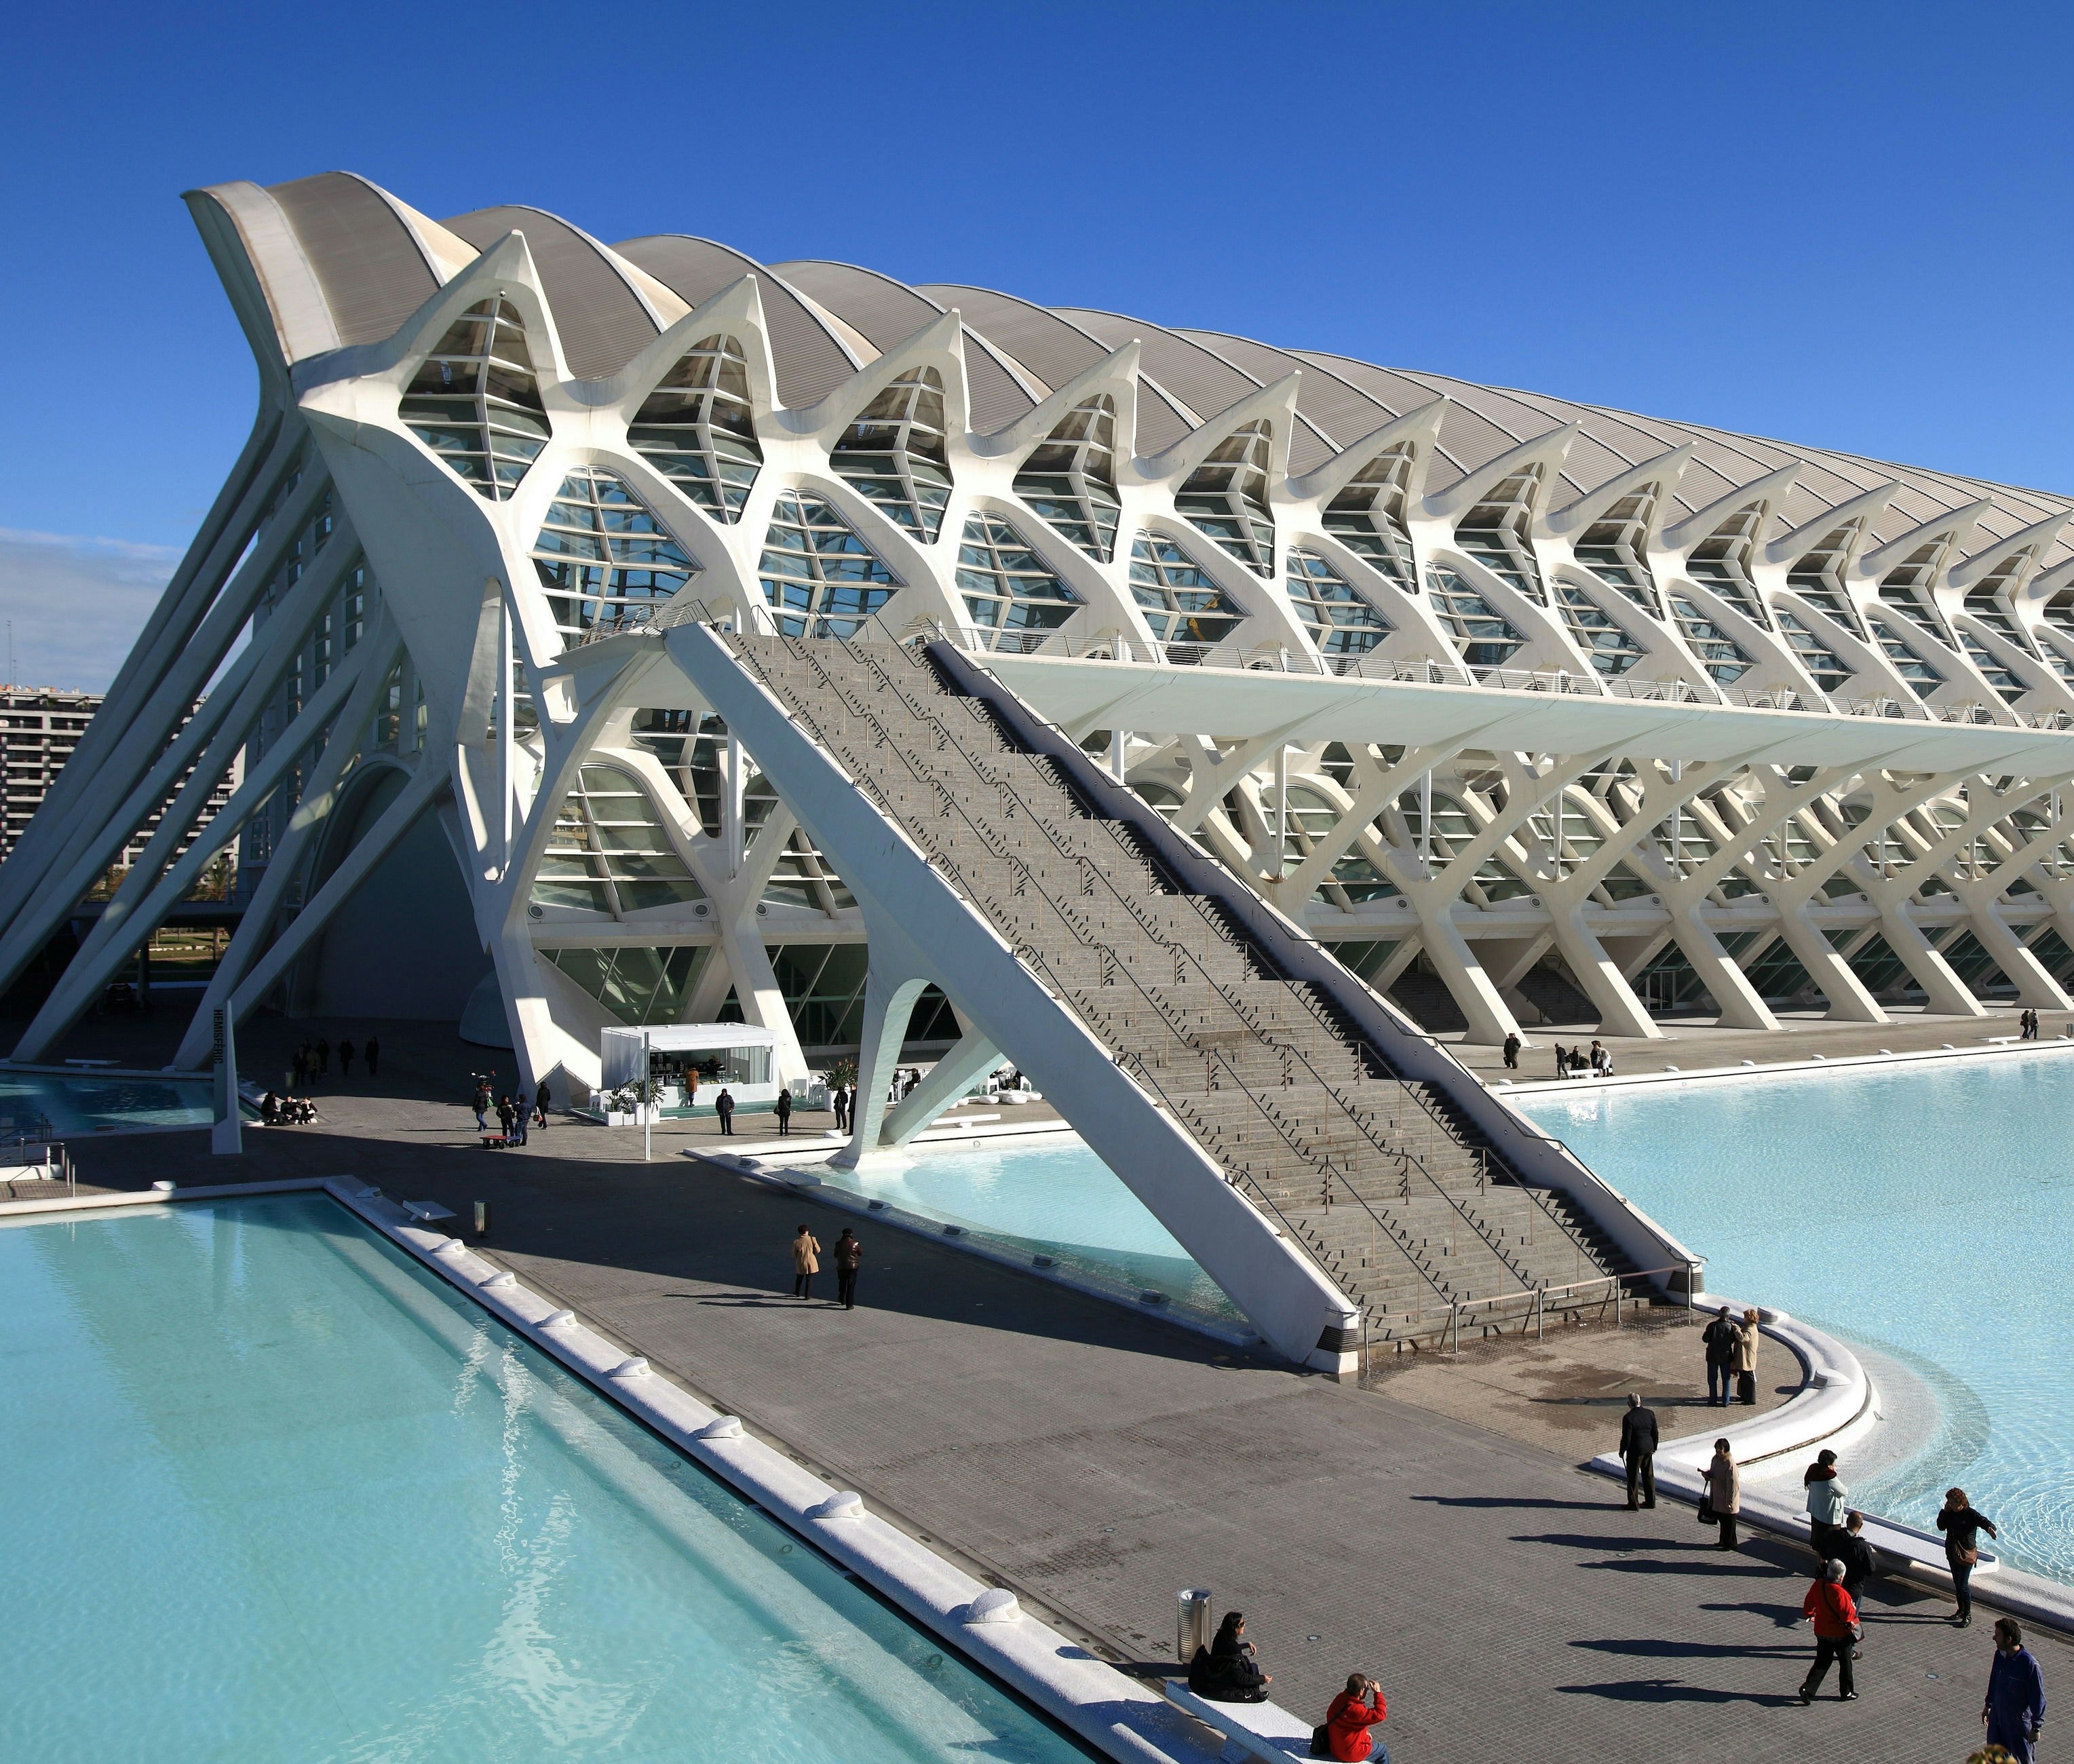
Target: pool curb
x: 1113, y: 1713
x: 2001, y: 1048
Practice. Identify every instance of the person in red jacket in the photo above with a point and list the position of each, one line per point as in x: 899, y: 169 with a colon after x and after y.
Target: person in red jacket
x: 1354, y: 1711
x: 1836, y: 1619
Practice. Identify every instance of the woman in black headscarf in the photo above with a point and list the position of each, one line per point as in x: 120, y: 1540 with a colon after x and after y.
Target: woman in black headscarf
x: 1225, y: 1671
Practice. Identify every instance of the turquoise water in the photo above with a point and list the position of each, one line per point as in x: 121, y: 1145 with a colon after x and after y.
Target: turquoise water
x: 277, y: 1494
x: 1925, y: 1211
x: 1048, y: 1196
x: 86, y: 1104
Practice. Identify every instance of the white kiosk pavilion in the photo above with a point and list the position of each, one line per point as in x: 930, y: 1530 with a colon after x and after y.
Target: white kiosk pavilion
x: 691, y: 1062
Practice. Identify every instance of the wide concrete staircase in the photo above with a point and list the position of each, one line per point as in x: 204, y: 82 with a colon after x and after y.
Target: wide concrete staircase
x: 1387, y: 1185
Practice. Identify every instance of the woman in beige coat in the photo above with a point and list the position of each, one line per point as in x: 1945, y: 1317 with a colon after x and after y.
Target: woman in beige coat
x: 1745, y: 1360
x: 806, y: 1263
x: 1724, y: 1493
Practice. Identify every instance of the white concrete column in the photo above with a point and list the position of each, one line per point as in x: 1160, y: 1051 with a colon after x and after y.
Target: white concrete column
x: 1620, y: 1012
x: 888, y: 1005
x: 942, y: 1085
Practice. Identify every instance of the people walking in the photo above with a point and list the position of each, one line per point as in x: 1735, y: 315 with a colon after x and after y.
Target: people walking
x: 806, y: 1262
x: 1725, y: 1494
x: 480, y: 1104
x: 1353, y: 1711
x: 1745, y: 1360
x: 1512, y: 1045
x: 2014, y: 1711
x: 724, y: 1108
x: 1562, y: 1061
x: 784, y: 1110
x: 1835, y: 1619
x: 1720, y: 1339
x: 346, y: 1052
x: 850, y: 1254
x: 541, y: 1102
x: 373, y: 1053
x: 1962, y: 1525
x: 323, y: 1057
x: 1825, y: 1494
x: 1226, y: 1672
x: 1638, y: 1449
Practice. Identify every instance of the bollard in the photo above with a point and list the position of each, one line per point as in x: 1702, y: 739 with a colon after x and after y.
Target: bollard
x: 1191, y: 1622
x: 482, y: 1218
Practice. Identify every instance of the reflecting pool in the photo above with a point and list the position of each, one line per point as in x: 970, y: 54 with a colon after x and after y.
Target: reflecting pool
x: 1922, y: 1211
x: 279, y: 1495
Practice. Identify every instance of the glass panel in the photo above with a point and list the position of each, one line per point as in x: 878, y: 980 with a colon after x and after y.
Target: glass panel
x: 1012, y: 598
x: 1608, y: 647
x: 699, y: 431
x: 1341, y: 622
x: 1483, y: 638
x: 1226, y: 498
x: 1069, y: 479
x: 819, y: 578
x: 605, y: 562
x: 474, y: 402
x: 1723, y: 659
x: 1367, y: 517
x: 1494, y: 533
x: 894, y: 452
x: 1181, y: 604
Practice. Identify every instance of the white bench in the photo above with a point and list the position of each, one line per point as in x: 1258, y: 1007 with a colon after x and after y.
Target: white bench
x: 1263, y: 1731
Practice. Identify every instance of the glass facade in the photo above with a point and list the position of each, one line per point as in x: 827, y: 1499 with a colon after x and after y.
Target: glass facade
x: 1817, y: 578
x: 608, y: 852
x: 637, y: 984
x: 1069, y: 478
x: 1494, y: 533
x: 1719, y: 655
x: 1824, y: 663
x: 1607, y: 645
x: 1722, y: 563
x: 475, y: 402
x: 1482, y: 638
x: 1997, y: 674
x: 894, y: 453
x: 698, y: 429
x: 1181, y: 604
x: 1226, y: 498
x: 1008, y: 592
x: 819, y: 578
x: 606, y: 561
x: 1367, y: 517
x: 1923, y: 679
x: 1615, y: 549
x: 1341, y: 622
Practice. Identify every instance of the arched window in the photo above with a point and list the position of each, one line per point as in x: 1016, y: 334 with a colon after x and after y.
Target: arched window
x: 1367, y: 517
x: 819, y: 578
x: 698, y: 429
x: 1069, y: 478
x: 1226, y: 498
x: 1181, y: 604
x: 1341, y: 622
x: 1009, y: 594
x: 475, y: 402
x: 605, y: 562
x: 894, y: 452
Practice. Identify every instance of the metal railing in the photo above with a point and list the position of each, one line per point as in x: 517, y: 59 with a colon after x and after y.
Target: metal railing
x: 1189, y: 1037
x: 41, y: 1151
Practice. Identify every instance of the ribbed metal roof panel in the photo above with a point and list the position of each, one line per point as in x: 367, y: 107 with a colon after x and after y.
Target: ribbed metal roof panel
x: 372, y: 272
x: 808, y: 361
x: 1342, y: 414
x: 1199, y: 379
x: 1044, y: 343
x: 888, y: 313
x: 603, y: 324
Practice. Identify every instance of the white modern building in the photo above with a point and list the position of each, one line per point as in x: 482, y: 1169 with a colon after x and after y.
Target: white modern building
x: 1534, y: 711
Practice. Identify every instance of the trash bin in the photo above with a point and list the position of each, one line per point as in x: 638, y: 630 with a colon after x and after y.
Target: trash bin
x: 1193, y: 1628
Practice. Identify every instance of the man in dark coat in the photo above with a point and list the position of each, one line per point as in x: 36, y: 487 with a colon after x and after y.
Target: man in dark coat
x: 724, y: 1107
x: 1720, y: 1339
x: 1637, y: 1446
x: 1848, y: 1545
x: 784, y: 1110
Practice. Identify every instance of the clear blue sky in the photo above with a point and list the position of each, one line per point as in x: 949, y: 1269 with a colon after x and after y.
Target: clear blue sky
x: 1842, y: 224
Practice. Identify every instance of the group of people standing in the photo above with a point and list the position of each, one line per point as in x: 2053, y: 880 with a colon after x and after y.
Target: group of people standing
x: 312, y: 1061
x: 2026, y: 1023
x: 1576, y: 1062
x: 1731, y: 1345
x: 848, y: 1257
x: 514, y: 1117
x: 2014, y: 1708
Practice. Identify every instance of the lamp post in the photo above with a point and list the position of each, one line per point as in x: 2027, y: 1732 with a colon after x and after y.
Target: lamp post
x: 647, y: 1093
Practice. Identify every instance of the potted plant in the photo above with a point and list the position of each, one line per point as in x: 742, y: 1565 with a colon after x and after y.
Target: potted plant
x: 633, y: 1105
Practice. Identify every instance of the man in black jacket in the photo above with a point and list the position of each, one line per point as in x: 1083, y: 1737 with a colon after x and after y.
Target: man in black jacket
x: 1637, y: 1446
x: 1720, y: 1338
x: 1846, y: 1544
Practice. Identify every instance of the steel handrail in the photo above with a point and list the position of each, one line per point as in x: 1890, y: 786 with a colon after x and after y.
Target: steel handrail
x: 1029, y: 953
x: 1438, y: 1128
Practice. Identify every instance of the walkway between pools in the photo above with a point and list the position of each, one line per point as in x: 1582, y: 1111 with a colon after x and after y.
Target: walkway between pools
x: 1095, y: 1462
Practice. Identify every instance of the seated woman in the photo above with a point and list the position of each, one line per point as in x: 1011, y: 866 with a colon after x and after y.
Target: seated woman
x: 1225, y: 1671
